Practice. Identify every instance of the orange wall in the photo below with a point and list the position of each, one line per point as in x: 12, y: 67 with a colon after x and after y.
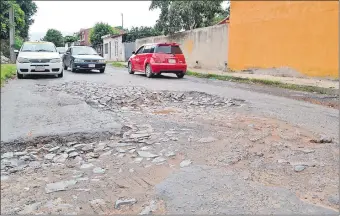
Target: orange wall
x: 302, y: 35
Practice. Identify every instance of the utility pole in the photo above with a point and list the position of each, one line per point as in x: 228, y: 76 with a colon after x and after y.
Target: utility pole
x: 122, y: 21
x: 11, y: 33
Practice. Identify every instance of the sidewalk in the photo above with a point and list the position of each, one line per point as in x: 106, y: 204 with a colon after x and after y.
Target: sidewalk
x: 317, y: 82
x: 323, y: 83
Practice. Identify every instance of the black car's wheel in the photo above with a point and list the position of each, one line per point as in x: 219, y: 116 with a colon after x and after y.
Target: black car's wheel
x: 180, y: 75
x: 20, y: 76
x: 148, y: 71
x: 61, y: 74
x: 130, y: 68
x: 72, y: 67
x: 102, y: 70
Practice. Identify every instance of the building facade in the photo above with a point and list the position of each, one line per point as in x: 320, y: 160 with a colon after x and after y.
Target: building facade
x: 113, y: 49
x: 302, y: 35
x: 84, y: 37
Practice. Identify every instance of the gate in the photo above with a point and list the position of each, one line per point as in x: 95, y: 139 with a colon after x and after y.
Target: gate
x: 128, y: 49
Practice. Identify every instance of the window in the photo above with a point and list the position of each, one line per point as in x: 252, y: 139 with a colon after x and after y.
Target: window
x: 106, y: 48
x: 148, y: 49
x: 152, y: 50
x: 168, y: 49
x: 38, y: 47
x: 116, y: 48
x: 140, y: 50
x: 83, y: 50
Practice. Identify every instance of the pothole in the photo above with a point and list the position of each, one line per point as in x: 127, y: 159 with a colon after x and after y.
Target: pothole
x: 138, y: 98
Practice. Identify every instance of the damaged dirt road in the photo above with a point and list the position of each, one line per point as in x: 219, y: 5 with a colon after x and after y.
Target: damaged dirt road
x: 116, y: 143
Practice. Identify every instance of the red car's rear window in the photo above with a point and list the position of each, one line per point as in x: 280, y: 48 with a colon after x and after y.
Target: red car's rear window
x: 168, y: 49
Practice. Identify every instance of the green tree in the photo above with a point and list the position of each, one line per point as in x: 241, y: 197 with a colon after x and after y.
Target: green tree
x: 29, y: 8
x: 71, y: 38
x: 187, y: 15
x: 18, y: 42
x: 19, y: 18
x: 141, y: 32
x: 100, y: 29
x: 54, y: 36
x: 220, y: 16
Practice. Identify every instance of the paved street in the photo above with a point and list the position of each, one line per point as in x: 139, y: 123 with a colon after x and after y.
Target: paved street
x: 91, y: 143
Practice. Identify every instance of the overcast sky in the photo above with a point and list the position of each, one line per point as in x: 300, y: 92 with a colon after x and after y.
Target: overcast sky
x: 71, y: 16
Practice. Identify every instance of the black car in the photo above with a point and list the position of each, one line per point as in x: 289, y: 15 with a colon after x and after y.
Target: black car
x: 83, y: 58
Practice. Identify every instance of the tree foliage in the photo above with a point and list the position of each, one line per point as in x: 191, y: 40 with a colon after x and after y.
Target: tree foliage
x: 72, y: 38
x: 141, y: 32
x: 29, y: 8
x: 54, y: 36
x: 220, y: 16
x: 19, y: 18
x: 100, y: 29
x: 23, y: 13
x: 18, y: 41
x: 178, y: 15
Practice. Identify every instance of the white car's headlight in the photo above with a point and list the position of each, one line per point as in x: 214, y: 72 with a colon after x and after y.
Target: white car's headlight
x: 101, y: 61
x: 23, y: 60
x: 78, y: 60
x: 56, y: 60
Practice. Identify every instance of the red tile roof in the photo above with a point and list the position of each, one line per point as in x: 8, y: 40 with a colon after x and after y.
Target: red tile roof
x: 225, y: 20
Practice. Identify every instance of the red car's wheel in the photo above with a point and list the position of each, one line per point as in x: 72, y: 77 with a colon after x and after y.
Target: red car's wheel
x: 148, y: 71
x: 180, y: 75
x: 130, y: 68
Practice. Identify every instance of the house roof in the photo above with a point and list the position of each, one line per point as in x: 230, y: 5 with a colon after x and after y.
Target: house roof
x: 111, y: 36
x: 225, y: 20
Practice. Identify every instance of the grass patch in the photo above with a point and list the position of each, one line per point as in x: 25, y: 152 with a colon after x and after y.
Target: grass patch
x: 263, y: 82
x: 7, y: 71
x: 118, y: 64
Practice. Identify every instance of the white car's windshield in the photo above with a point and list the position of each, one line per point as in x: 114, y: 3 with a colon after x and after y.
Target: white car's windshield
x: 84, y: 51
x: 38, y: 47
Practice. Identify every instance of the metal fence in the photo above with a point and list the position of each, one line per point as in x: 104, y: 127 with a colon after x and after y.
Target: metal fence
x: 129, y: 47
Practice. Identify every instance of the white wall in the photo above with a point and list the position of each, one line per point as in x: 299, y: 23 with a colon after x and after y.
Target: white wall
x: 207, y: 46
x: 114, y: 56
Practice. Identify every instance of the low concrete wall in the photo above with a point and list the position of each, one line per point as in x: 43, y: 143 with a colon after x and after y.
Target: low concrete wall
x: 205, y: 48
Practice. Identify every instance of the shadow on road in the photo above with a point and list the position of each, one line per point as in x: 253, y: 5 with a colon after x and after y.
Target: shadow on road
x: 40, y: 77
x: 158, y: 76
x: 85, y: 72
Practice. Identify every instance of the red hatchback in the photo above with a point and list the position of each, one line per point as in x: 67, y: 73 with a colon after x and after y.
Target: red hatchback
x: 158, y: 58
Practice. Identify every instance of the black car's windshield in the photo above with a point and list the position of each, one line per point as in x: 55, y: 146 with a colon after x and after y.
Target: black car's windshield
x: 61, y: 49
x: 84, y: 51
x: 38, y: 47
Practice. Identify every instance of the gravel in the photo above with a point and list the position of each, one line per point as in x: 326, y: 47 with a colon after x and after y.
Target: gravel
x: 185, y: 163
x: 121, y: 202
x: 59, y: 186
x: 146, y: 154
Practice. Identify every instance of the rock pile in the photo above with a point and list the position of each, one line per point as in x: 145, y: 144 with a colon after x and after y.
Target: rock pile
x: 128, y: 97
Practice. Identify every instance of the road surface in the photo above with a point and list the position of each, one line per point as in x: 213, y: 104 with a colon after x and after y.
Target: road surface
x: 119, y: 143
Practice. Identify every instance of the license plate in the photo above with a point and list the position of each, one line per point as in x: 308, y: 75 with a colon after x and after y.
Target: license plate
x: 39, y: 68
x: 172, y: 61
x: 92, y: 65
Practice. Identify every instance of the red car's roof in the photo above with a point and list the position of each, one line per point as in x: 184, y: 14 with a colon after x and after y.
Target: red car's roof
x: 163, y: 43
